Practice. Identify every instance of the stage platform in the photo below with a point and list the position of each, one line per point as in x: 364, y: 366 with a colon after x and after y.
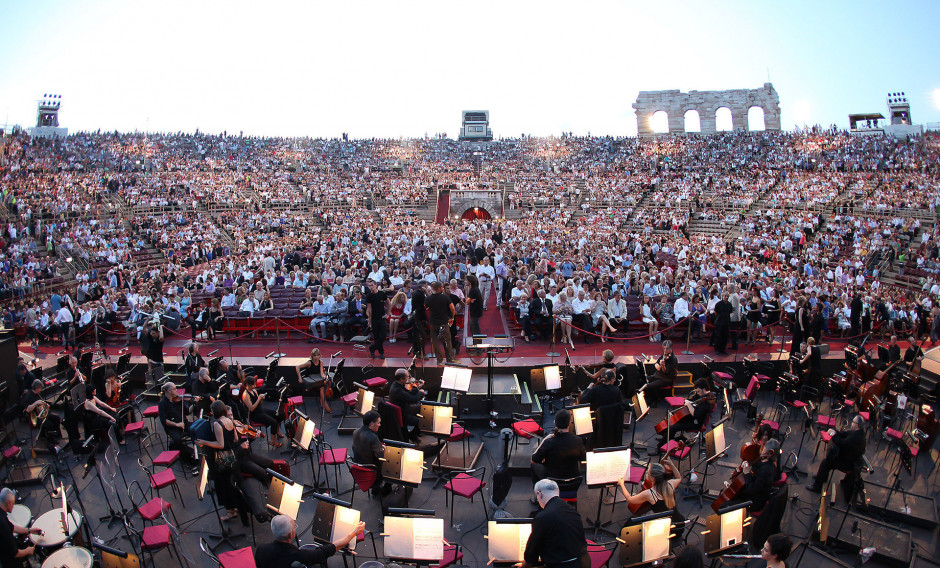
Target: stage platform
x: 197, y: 518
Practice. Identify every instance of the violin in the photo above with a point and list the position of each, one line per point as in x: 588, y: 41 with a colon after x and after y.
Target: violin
x: 247, y: 431
x: 414, y: 383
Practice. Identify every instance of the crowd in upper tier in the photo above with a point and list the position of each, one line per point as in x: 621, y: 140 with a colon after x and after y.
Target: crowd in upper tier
x: 110, y: 223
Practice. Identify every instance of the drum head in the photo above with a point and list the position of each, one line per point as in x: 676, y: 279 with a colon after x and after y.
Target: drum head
x: 71, y: 556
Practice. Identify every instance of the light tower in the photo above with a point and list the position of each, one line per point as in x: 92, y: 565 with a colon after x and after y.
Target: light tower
x: 47, y: 118
x: 899, y: 108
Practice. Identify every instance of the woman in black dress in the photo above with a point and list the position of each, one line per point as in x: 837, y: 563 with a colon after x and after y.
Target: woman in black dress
x: 317, y: 373
x: 224, y: 441
x: 252, y: 400
x: 214, y: 324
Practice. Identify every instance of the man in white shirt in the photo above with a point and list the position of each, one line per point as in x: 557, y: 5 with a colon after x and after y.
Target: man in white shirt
x: 486, y: 274
x: 680, y: 309
x: 321, y: 315
x: 64, y: 320
x: 228, y: 300
x: 249, y: 304
x: 582, y: 314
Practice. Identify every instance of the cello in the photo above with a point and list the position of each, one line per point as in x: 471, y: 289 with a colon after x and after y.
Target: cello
x: 750, y: 453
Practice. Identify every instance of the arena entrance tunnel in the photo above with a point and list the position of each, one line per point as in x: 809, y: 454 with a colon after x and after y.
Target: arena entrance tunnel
x: 476, y: 213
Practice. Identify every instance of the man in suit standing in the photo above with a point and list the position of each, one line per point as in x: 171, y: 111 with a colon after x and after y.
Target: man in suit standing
x: 419, y: 312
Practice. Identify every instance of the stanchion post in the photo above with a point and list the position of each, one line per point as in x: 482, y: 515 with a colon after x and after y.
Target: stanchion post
x: 688, y: 337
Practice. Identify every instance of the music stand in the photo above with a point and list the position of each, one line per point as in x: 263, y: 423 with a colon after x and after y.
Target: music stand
x: 414, y: 536
x: 225, y: 536
x: 365, y: 401
x: 605, y: 468
x: 436, y: 418
x: 715, y: 446
x: 402, y: 464
x: 639, y: 409
x: 284, y: 495
x: 507, y: 539
x: 581, y: 419
x: 546, y: 378
x: 114, y: 558
x: 645, y: 540
x: 727, y: 530
x: 456, y: 378
x: 333, y: 519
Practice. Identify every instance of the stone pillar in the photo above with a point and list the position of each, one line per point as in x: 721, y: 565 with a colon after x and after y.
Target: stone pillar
x: 738, y: 118
x: 706, y: 117
x: 676, y: 121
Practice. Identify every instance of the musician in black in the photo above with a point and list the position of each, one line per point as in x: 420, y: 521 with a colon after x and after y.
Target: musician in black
x: 557, y: 537
x: 845, y: 449
x: 230, y: 373
x: 171, y: 408
x: 368, y: 449
x: 776, y: 550
x: 205, y: 390
x: 407, y: 394
x: 608, y: 363
x: 256, y: 412
x: 32, y: 401
x: 419, y: 331
x: 604, y: 392
x: 894, y: 350
x: 193, y: 362
x: 699, y: 407
x: 10, y: 552
x: 811, y: 363
x: 667, y: 365
x: 759, y: 478
x: 283, y: 553
x: 560, y: 454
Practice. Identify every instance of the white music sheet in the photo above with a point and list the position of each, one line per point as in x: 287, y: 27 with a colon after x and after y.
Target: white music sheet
x: 412, y: 461
x: 607, y: 467
x: 507, y: 541
x: 656, y: 539
x: 345, y: 521
x: 417, y: 539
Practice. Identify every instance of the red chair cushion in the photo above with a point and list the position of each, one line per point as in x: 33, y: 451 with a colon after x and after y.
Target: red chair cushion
x: 167, y: 458
x: 675, y: 401
x: 600, y: 555
x: 722, y: 375
x: 333, y: 457
x: 163, y: 479
x: 11, y: 452
x: 773, y: 425
x: 465, y: 485
x: 826, y: 421
x: 153, y: 508
x: 782, y: 481
x: 241, y: 558
x: 155, y: 536
x: 458, y: 432
x: 864, y: 415
x: 526, y: 428
x: 892, y: 433
x: 636, y: 475
x: 350, y: 399
x: 364, y: 477
x: 134, y: 427
x: 762, y: 378
x: 849, y: 402
x: 825, y: 436
x: 798, y: 404
x: 451, y: 556
x: 375, y: 382
x: 152, y: 412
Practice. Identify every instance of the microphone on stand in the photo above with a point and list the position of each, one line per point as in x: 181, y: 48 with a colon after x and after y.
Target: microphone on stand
x: 337, y: 354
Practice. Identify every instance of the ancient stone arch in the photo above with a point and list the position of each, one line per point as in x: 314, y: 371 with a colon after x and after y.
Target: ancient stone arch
x: 676, y: 103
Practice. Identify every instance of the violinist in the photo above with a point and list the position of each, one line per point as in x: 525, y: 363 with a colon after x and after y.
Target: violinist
x: 700, y: 406
x: 253, y: 464
x: 252, y: 401
x: 560, y: 454
x: 316, y: 370
x: 98, y: 415
x: 172, y: 418
x: 665, y: 375
x: 659, y: 496
x: 608, y: 363
x: 604, y: 392
x: 112, y: 394
x: 407, y: 394
x: 759, y: 478
x: 205, y: 391
x: 230, y: 374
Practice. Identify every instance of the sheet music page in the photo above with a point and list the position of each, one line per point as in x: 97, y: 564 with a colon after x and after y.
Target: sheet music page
x: 656, y: 539
x: 345, y: 521
x: 428, y: 539
x: 607, y: 467
x: 582, y: 421
x: 290, y: 499
x: 442, y: 420
x: 398, y: 542
x: 507, y: 541
x: 448, y: 379
x: 411, y: 463
x: 463, y: 384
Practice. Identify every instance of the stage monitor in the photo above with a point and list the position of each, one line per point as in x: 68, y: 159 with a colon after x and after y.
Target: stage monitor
x: 726, y: 529
x: 645, y: 539
x: 456, y: 378
x: 507, y: 539
x: 545, y: 379
x: 607, y: 466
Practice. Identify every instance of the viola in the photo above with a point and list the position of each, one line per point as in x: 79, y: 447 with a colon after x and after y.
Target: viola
x: 730, y: 492
x: 669, y: 421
